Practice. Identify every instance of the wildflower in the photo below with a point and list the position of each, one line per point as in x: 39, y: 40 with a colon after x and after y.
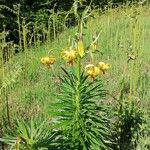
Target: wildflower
x: 49, y: 60
x: 93, y: 71
x: 69, y: 56
x: 80, y: 46
x: 103, y: 67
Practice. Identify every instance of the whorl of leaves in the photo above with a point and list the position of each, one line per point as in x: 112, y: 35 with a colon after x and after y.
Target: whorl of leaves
x: 80, y: 114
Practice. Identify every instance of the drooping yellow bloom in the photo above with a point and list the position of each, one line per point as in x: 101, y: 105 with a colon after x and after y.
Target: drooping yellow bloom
x: 93, y: 71
x: 69, y: 56
x: 102, y: 66
x: 80, y: 46
x: 49, y: 60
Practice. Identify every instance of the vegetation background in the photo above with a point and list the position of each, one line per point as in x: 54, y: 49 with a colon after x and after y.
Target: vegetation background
x: 115, y: 114
x: 30, y: 10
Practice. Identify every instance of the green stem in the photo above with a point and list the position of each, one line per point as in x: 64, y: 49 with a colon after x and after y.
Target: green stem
x: 77, y: 99
x: 79, y: 68
x: 19, y: 28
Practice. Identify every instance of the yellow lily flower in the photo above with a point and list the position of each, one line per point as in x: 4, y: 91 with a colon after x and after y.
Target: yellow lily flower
x: 49, y: 60
x: 80, y: 46
x: 93, y: 71
x: 102, y: 66
x: 69, y: 56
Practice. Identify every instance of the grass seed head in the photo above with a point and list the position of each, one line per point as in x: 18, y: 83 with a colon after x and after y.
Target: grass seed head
x: 94, y: 47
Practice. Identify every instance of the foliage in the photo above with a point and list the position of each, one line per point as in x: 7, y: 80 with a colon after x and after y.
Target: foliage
x: 128, y: 126
x: 33, y: 10
x: 81, y: 114
x: 33, y: 135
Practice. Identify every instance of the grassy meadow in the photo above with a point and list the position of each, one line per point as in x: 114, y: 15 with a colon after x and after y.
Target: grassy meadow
x: 30, y: 91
